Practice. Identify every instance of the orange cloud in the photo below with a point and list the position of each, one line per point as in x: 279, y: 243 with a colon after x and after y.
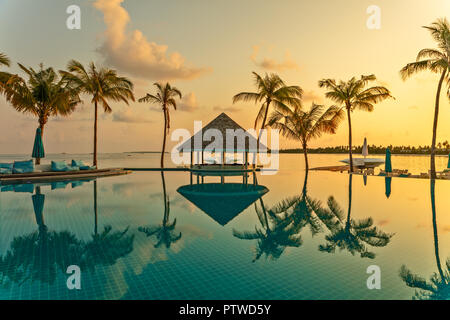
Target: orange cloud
x: 131, y: 52
x: 271, y: 64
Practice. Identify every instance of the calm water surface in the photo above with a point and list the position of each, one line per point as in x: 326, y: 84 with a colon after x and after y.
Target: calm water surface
x: 137, y: 237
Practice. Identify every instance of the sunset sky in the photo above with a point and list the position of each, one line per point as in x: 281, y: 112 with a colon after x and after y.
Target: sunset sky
x: 208, y: 50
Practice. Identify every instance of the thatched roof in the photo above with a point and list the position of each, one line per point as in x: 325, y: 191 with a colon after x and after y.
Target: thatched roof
x: 222, y: 202
x: 241, y: 141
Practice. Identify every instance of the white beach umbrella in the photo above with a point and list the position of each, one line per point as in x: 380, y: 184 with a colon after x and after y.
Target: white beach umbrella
x: 365, y: 149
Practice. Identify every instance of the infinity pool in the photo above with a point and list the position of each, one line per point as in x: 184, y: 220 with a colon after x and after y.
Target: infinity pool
x: 147, y: 236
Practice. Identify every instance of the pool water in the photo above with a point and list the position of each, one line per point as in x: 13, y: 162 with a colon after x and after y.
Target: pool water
x: 138, y: 237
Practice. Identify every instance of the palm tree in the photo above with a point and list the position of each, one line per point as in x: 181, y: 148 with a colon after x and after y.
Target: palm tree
x: 102, y: 85
x: 271, y: 91
x: 304, y: 126
x: 45, y: 94
x: 165, y: 96
x: 165, y: 232
x: 353, y: 235
x: 4, y: 60
x: 354, y: 95
x: 439, y: 288
x: 436, y: 61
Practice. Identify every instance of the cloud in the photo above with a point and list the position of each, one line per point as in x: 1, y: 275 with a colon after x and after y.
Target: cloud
x: 130, y: 116
x: 270, y: 64
x: 131, y: 52
x: 188, y: 102
x: 226, y: 109
x: 311, y: 95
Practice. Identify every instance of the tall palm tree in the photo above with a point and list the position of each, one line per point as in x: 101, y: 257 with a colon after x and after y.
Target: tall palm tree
x: 271, y: 91
x: 436, y: 61
x: 304, y: 126
x: 103, y: 85
x: 354, y: 95
x: 44, y: 95
x: 165, y: 232
x: 353, y: 235
x: 439, y: 287
x: 165, y: 97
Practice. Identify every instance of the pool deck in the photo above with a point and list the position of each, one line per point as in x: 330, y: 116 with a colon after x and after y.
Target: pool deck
x: 60, y: 176
x: 346, y: 169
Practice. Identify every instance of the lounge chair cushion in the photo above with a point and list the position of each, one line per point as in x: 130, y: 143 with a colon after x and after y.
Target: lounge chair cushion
x: 78, y: 163
x: 23, y: 166
x: 59, y: 166
x: 6, y: 166
x: 87, y: 168
x: 5, y: 171
x: 62, y: 166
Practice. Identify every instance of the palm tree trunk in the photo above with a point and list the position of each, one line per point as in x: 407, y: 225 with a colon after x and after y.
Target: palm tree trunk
x: 435, y: 123
x: 305, y: 152
x: 166, y: 207
x: 95, y: 135
x: 263, y: 123
x: 305, y: 185
x: 347, y: 224
x: 165, y: 135
x: 95, y: 208
x: 435, y: 230
x: 350, y: 154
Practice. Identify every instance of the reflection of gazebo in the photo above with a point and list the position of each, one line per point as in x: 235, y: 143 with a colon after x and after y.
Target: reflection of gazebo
x: 234, y: 140
x: 222, y: 202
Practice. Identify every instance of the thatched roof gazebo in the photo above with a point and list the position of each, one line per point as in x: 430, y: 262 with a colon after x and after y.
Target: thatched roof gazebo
x: 234, y: 139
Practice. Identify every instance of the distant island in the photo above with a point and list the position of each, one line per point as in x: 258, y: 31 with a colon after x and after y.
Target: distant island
x: 142, y: 152
x: 442, y: 149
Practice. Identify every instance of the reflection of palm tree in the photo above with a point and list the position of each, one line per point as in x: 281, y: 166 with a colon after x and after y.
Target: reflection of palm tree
x: 37, y: 256
x: 165, y: 232
x: 276, y: 233
x: 309, y: 211
x: 353, y: 235
x: 106, y: 247
x: 439, y: 287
